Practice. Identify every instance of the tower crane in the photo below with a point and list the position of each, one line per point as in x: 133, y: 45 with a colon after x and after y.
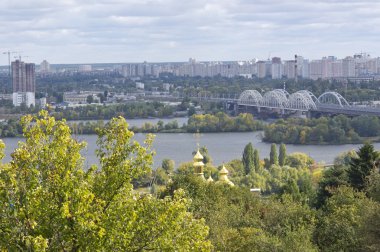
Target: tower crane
x: 9, y: 59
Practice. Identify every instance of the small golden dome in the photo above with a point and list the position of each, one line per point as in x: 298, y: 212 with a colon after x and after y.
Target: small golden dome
x: 223, y: 171
x: 223, y: 176
x: 198, y: 156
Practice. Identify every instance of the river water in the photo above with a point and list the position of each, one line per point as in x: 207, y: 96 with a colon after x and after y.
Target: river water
x: 222, y: 147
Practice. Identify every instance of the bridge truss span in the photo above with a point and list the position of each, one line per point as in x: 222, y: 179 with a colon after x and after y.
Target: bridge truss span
x: 250, y: 97
x: 302, y: 100
x: 277, y: 98
x: 331, y: 103
x: 333, y: 98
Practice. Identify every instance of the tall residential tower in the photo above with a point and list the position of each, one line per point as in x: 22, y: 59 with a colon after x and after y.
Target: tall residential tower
x: 24, y: 83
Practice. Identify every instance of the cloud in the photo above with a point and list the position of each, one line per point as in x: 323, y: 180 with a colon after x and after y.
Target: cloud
x: 72, y: 31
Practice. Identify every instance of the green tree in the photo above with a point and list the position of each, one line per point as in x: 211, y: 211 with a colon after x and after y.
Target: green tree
x: 191, y: 111
x: 248, y: 158
x: 282, y: 155
x: 373, y: 185
x: 299, y: 160
x: 49, y: 202
x: 343, y: 222
x: 168, y: 165
x: 362, y: 165
x: 241, y: 221
x: 273, y: 158
x: 90, y: 99
x: 345, y: 158
x: 256, y: 161
x: 332, y: 179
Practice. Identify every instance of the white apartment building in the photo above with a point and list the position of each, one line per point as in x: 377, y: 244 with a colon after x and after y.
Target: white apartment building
x: 44, y: 67
x: 348, y: 67
x: 277, y: 71
x: 290, y: 69
x: 305, y: 69
x: 336, y: 69
x: 315, y: 69
x: 261, y: 69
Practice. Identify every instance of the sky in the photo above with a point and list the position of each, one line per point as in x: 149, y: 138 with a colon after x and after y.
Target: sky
x: 117, y: 31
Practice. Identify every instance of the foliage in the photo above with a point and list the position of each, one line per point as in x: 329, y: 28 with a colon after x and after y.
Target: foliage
x: 361, y: 166
x: 299, y: 160
x: 221, y: 122
x: 241, y: 221
x: 343, y: 222
x: 325, y: 130
x: 248, y: 158
x: 282, y: 155
x: 127, y: 110
x: 49, y: 202
x: 344, y: 158
x: 332, y: 179
x: 273, y: 157
x: 10, y: 128
x: 256, y: 161
x: 372, y: 186
x: 168, y: 165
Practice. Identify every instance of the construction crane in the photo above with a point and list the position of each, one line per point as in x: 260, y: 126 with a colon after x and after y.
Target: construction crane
x: 9, y: 60
x: 19, y: 57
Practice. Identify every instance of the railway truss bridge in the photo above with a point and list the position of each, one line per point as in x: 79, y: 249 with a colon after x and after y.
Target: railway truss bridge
x: 303, y: 102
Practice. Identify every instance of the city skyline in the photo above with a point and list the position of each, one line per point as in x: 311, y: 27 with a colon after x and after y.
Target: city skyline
x: 81, y: 32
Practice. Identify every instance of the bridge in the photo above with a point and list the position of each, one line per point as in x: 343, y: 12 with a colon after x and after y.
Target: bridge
x: 303, y: 101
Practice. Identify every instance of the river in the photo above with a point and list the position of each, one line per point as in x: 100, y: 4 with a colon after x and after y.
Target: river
x: 222, y: 147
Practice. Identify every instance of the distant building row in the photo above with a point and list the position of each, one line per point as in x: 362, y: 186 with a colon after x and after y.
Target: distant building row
x: 357, y: 66
x: 360, y: 65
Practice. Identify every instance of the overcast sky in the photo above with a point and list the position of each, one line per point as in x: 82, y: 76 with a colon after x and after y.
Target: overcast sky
x: 100, y: 31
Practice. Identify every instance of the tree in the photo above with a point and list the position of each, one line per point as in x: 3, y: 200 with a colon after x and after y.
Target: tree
x: 331, y: 180
x: 343, y: 225
x: 248, y: 158
x: 299, y: 160
x: 90, y: 99
x: 361, y: 166
x: 273, y: 158
x: 256, y: 160
x: 168, y: 165
x: 282, y: 155
x: 191, y: 111
x: 373, y: 185
x: 345, y: 158
x: 49, y: 202
x: 101, y: 97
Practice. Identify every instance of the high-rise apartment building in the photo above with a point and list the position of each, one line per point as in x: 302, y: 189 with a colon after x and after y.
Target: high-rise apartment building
x: 290, y: 69
x: 336, y: 69
x: 305, y: 69
x: 44, y: 67
x: 315, y: 72
x: 277, y: 68
x: 24, y: 83
x: 261, y: 69
x: 348, y: 67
